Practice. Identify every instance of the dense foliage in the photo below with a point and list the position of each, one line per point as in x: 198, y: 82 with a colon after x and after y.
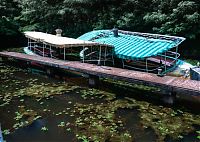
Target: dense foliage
x: 75, y: 17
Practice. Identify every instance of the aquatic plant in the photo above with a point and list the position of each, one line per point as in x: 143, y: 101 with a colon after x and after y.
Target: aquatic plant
x: 198, y: 137
x: 24, y: 117
x: 41, y: 91
x: 83, y: 138
x: 166, y: 121
x: 68, y: 129
x: 95, y: 93
x: 6, y: 132
x: 44, y: 129
x: 97, y: 122
x: 62, y: 124
x: 19, y: 116
x: 127, y: 85
x: 93, y: 117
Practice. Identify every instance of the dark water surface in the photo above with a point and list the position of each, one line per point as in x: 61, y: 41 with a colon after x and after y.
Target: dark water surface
x: 35, y: 108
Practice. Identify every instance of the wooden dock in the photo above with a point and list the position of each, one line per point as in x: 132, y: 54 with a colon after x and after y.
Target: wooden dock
x: 169, y: 83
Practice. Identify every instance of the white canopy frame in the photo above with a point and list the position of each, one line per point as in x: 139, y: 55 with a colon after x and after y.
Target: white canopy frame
x: 69, y: 45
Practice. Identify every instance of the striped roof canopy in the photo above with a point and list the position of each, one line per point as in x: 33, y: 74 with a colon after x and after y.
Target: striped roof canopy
x: 134, y: 45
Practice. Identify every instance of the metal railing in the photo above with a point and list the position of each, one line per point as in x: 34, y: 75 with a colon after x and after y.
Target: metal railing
x: 37, y: 51
x: 170, y: 55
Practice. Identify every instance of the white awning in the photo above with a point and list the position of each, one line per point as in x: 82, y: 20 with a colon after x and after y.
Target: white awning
x: 62, y: 42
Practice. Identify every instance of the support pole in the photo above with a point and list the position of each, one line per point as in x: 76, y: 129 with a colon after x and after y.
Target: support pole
x: 123, y: 63
x: 33, y: 46
x: 113, y: 58
x: 29, y: 47
x: 30, y: 44
x: 50, y: 72
x: 165, y: 62
x: 64, y: 54
x: 93, y: 81
x: 83, y: 55
x: 168, y: 97
x: 43, y: 49
x: 105, y: 55
x: 50, y: 51
x: 146, y: 65
x: 99, y: 61
x: 176, y: 54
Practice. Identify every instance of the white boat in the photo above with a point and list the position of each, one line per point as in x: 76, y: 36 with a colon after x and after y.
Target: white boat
x: 52, y: 46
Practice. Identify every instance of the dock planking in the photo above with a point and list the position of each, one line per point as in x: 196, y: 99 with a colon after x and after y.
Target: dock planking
x: 173, y: 84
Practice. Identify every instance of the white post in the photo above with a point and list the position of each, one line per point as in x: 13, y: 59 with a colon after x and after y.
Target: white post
x: 50, y: 52
x: 105, y: 55
x: 64, y: 54
x: 113, y: 58
x: 34, y: 45
x: 165, y: 62
x: 146, y: 65
x: 123, y: 62
x: 29, y: 44
x: 43, y: 49
x: 176, y: 54
x: 83, y: 55
x: 99, y: 61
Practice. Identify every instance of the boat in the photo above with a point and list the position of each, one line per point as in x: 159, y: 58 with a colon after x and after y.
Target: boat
x: 142, y: 51
x: 65, y: 48
x: 145, y: 52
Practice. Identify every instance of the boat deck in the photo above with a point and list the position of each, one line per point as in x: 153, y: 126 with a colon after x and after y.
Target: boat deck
x: 190, y: 87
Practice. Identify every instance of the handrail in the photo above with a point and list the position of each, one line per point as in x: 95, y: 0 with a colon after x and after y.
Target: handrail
x: 162, y: 66
x: 91, y: 53
x: 174, y: 53
x: 145, y: 69
x: 40, y: 52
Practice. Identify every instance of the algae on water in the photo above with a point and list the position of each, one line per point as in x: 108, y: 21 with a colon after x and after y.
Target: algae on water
x: 93, y: 114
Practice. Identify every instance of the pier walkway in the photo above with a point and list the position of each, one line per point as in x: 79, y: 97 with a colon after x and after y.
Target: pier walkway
x: 172, y: 84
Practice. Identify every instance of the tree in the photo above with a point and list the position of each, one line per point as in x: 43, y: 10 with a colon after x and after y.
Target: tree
x: 182, y: 18
x: 8, y: 11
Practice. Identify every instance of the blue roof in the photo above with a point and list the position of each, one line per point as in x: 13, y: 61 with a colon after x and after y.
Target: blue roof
x: 134, y: 45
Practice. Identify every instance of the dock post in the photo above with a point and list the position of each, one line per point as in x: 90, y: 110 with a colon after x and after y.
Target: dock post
x: 50, y: 72
x: 93, y: 81
x: 4, y: 58
x: 168, y: 97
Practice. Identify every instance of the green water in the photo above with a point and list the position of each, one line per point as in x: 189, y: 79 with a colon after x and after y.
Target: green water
x: 36, y: 108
